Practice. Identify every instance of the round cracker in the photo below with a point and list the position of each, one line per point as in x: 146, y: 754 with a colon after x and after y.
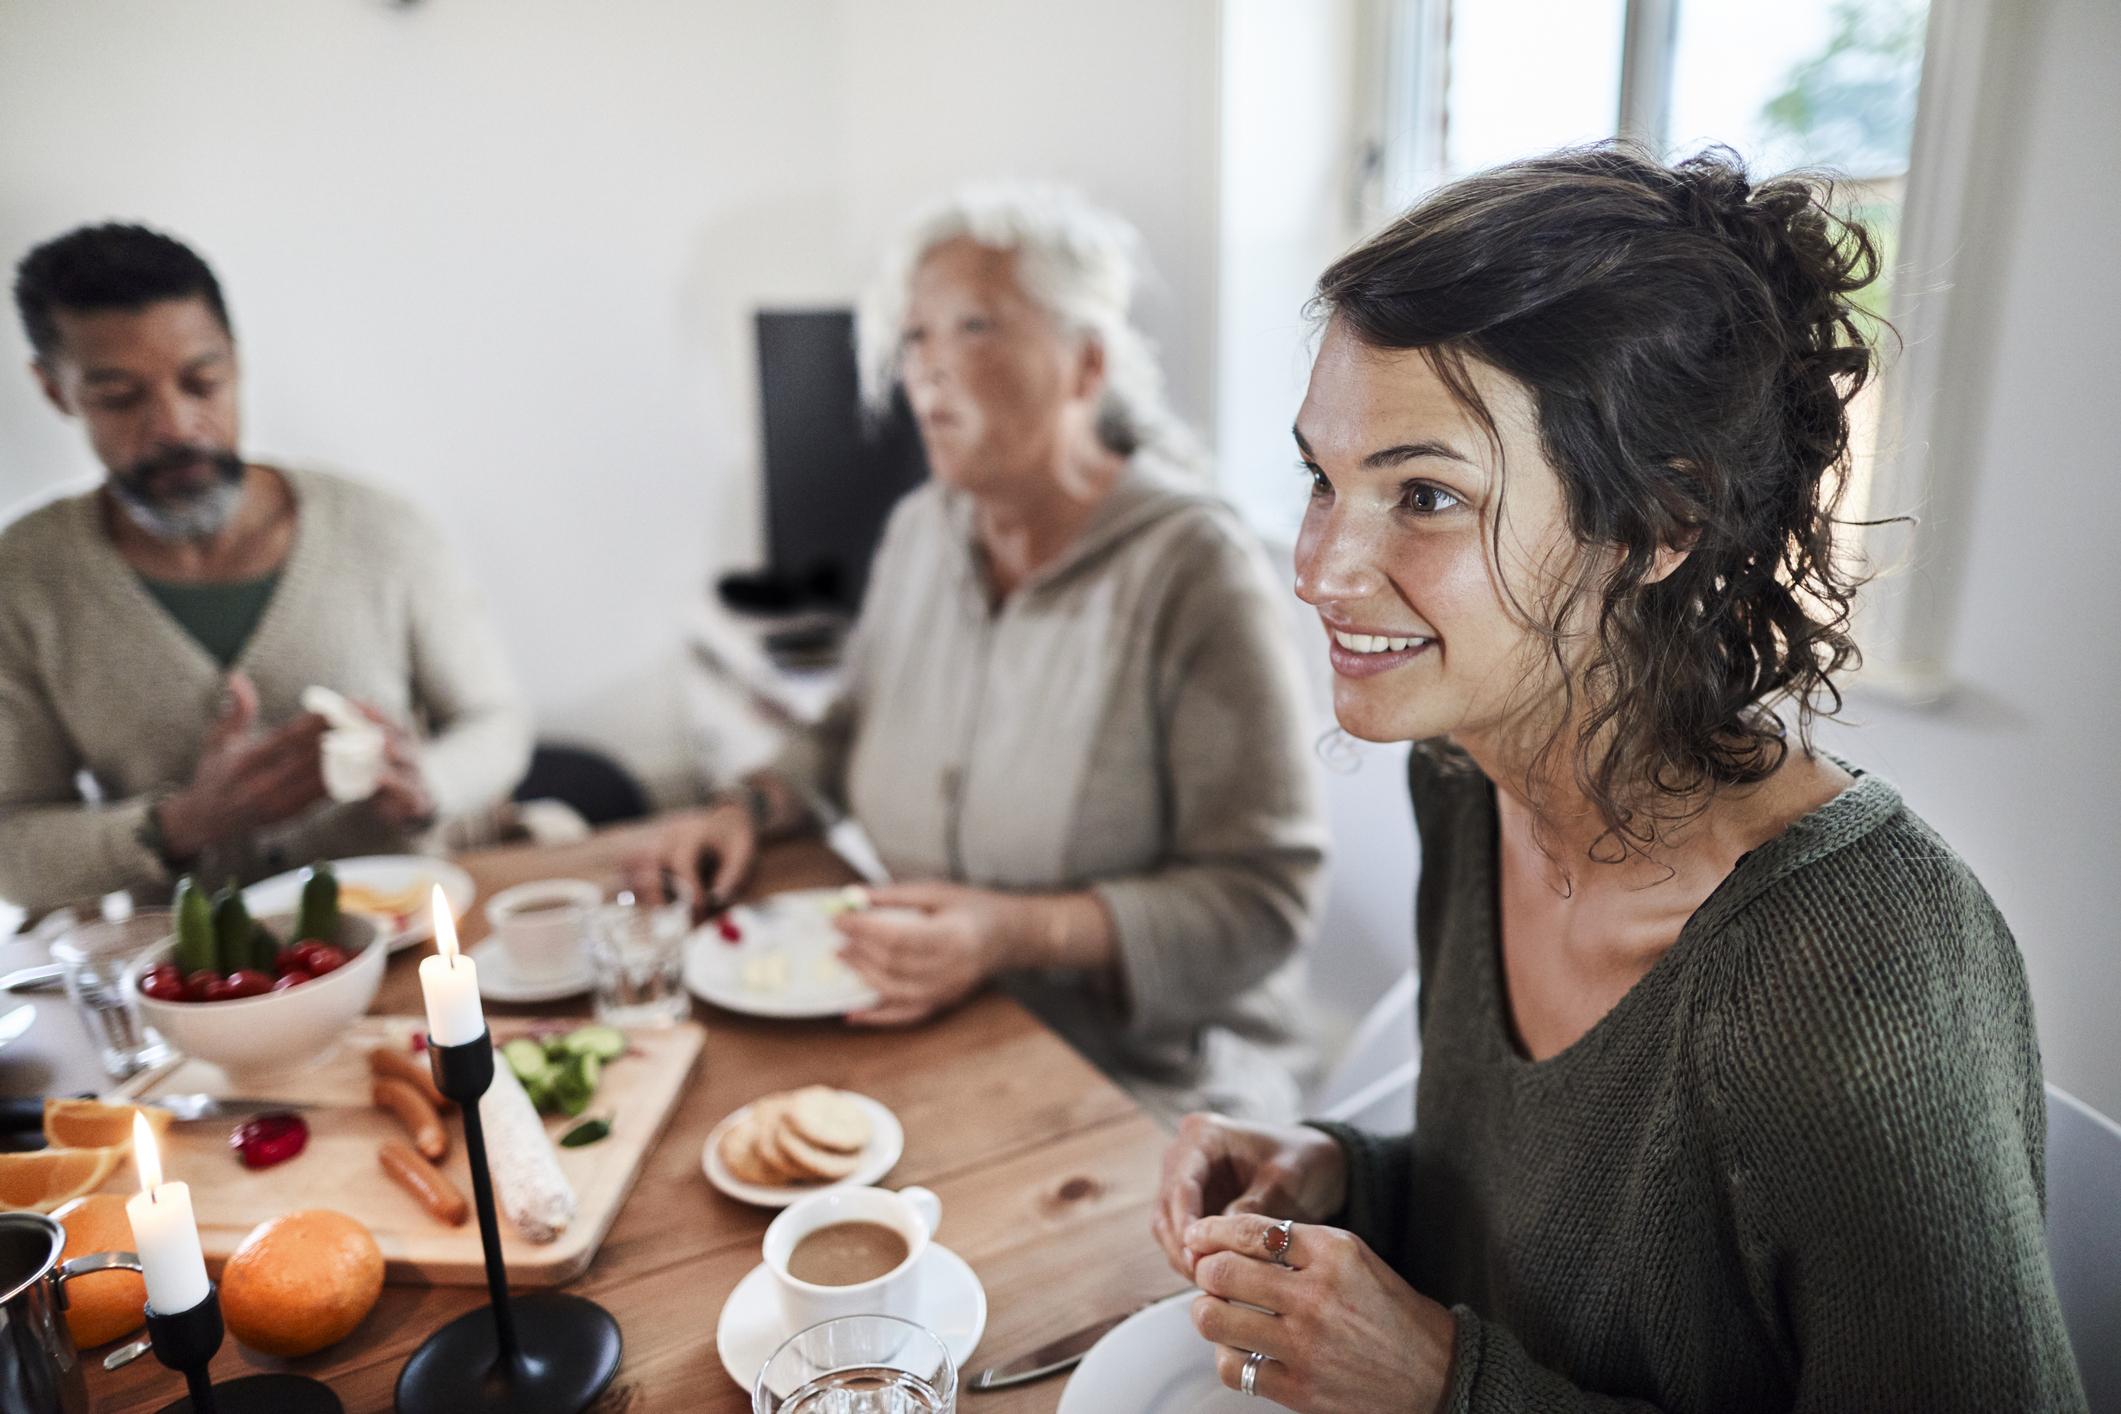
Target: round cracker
x: 741, y: 1155
x: 793, y: 1149
x: 828, y: 1119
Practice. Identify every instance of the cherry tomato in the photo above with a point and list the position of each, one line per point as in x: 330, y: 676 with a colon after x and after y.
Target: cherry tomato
x: 164, y: 984
x: 196, y: 985
x: 288, y: 962
x: 731, y: 934
x: 324, y: 958
x: 290, y: 979
x: 247, y: 982
x: 221, y: 990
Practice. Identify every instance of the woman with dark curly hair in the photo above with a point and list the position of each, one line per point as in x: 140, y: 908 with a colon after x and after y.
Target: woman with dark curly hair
x: 1730, y: 1098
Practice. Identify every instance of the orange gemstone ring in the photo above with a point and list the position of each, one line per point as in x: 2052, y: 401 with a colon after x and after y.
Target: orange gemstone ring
x: 1276, y: 1240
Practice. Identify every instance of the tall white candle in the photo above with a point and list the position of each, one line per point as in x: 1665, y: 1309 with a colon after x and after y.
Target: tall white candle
x: 163, y: 1231
x: 449, y: 984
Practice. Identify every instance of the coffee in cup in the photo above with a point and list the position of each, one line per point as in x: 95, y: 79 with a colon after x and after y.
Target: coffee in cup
x: 541, y: 927
x: 851, y: 1251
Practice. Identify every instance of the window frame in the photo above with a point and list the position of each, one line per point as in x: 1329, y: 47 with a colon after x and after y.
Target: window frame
x: 1902, y: 618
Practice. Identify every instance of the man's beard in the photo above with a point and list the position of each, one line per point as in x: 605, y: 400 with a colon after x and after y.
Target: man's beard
x: 186, y: 514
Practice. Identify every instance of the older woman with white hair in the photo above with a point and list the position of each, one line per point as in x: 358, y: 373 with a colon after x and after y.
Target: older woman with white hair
x: 1072, y: 722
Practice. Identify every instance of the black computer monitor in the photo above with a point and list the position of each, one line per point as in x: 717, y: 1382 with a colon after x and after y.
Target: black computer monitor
x: 832, y: 472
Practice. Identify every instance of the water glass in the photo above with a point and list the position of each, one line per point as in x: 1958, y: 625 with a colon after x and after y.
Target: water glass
x: 637, y: 956
x: 95, y: 955
x: 859, y: 1365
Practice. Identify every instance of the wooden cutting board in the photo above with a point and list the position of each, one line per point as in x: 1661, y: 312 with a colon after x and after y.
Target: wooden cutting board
x: 339, y: 1170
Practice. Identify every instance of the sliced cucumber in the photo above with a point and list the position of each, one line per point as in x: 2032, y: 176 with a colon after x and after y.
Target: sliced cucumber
x: 575, y: 1084
x: 527, y: 1059
x: 602, y: 1042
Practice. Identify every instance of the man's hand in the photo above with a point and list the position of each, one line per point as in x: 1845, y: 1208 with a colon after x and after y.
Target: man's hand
x: 401, y: 797
x: 244, y: 781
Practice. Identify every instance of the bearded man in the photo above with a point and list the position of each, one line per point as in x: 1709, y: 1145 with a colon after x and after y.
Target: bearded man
x: 157, y: 633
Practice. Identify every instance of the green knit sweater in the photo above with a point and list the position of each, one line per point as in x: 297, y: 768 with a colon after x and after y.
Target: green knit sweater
x: 1798, y: 1167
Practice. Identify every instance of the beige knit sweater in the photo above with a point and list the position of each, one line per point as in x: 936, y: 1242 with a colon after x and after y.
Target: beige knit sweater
x: 104, y: 699
x: 1132, y: 721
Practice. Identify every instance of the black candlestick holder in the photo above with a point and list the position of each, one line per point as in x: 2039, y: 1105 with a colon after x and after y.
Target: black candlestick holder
x: 187, y: 1341
x: 547, y: 1353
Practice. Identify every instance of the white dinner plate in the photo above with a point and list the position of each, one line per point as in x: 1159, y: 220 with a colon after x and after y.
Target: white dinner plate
x: 952, y: 1304
x: 1154, y: 1362
x: 399, y: 875
x: 499, y: 983
x: 783, y: 963
x: 887, y: 1141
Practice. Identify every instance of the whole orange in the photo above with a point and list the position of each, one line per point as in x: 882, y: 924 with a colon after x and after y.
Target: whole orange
x: 103, y: 1305
x: 301, y: 1282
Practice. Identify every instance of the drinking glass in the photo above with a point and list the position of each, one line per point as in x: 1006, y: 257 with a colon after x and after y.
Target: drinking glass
x: 859, y: 1365
x: 95, y: 955
x: 637, y: 955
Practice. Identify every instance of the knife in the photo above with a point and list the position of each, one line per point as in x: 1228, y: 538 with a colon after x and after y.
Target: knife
x: 19, y: 1115
x: 1055, y: 1356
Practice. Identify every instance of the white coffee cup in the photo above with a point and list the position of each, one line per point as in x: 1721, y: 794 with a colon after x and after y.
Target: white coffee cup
x: 353, y: 762
x: 542, y: 927
x: 911, y: 1212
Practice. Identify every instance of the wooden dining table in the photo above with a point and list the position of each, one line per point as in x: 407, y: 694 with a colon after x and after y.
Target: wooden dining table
x: 1045, y: 1168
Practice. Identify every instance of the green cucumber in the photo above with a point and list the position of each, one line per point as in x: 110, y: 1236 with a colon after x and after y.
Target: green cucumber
x: 527, y: 1059
x: 195, y: 950
x: 576, y: 1084
x: 540, y: 1091
x: 234, y: 944
x: 602, y: 1042
x: 318, y: 914
x: 264, y: 948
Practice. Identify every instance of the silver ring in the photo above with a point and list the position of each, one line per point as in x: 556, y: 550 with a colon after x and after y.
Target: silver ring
x: 1252, y: 1364
x: 1279, y: 1250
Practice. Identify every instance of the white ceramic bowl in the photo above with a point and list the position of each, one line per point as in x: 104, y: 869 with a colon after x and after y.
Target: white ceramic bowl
x: 279, y: 1030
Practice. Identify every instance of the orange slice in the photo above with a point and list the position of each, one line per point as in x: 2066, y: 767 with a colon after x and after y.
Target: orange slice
x: 42, y: 1180
x: 92, y: 1124
x: 102, y: 1306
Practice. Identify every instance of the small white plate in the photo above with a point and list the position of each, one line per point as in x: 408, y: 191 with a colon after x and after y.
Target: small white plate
x: 1154, y: 1362
x: 385, y: 874
x: 953, y: 1304
x: 887, y: 1141
x: 784, y: 963
x: 499, y: 983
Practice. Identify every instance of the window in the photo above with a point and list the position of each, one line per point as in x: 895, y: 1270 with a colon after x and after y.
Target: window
x: 1803, y: 83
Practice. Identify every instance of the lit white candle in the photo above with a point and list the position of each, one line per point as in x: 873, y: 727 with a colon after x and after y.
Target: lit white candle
x: 449, y: 984
x: 163, y: 1231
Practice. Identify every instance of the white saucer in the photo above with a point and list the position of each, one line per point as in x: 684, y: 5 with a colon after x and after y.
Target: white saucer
x: 499, y: 983
x: 1153, y: 1362
x: 953, y: 1304
x: 887, y: 1140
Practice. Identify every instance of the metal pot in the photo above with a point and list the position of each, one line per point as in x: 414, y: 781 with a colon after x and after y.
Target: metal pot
x: 39, y: 1370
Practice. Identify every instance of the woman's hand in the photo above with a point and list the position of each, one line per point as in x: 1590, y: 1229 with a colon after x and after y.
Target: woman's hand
x: 1219, y: 1165
x: 717, y: 846
x: 1341, y: 1331
x: 930, y: 948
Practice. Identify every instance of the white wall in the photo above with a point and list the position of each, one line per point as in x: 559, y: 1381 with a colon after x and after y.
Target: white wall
x: 501, y: 254
x: 2020, y: 770
x: 1289, y: 116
